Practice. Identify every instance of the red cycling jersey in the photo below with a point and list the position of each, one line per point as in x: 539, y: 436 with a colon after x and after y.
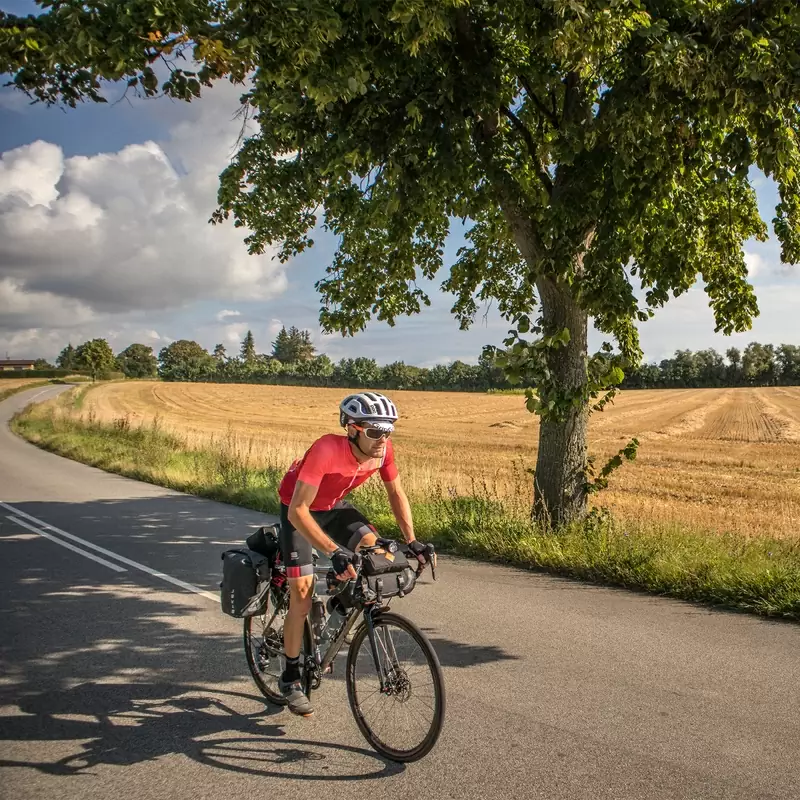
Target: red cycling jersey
x: 330, y: 465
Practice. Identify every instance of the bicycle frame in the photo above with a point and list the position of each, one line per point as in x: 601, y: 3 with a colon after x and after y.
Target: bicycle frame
x: 369, y: 610
x: 317, y: 664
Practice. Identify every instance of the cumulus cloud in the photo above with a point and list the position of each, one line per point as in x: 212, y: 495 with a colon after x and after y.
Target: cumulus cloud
x: 235, y: 333
x: 755, y: 263
x: 127, y: 230
x: 225, y: 313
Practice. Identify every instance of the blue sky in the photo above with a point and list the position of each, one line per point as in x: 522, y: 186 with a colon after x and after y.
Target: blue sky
x: 103, y: 214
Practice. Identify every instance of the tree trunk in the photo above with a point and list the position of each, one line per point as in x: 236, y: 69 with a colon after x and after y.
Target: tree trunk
x: 559, y: 495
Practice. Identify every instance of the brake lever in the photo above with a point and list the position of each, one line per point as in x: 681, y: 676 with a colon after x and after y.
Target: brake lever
x: 431, y: 553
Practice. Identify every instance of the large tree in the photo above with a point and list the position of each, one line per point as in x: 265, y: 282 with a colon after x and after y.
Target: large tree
x: 95, y: 356
x: 66, y: 358
x: 248, y: 349
x: 138, y: 361
x: 587, y: 144
x: 185, y: 360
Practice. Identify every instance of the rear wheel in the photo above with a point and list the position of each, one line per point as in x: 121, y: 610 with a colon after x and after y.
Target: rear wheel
x: 403, y: 720
x: 263, y: 645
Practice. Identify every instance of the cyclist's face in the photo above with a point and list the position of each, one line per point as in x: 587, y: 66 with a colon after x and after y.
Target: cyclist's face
x: 373, y: 447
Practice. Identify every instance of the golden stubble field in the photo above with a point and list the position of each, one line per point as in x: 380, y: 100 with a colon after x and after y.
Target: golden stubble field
x: 718, y: 459
x: 15, y: 383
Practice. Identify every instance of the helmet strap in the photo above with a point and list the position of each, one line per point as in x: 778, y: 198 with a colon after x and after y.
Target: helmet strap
x: 354, y: 440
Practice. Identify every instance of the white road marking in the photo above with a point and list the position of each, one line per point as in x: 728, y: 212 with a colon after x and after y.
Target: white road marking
x: 69, y: 546
x: 135, y: 564
x: 38, y: 393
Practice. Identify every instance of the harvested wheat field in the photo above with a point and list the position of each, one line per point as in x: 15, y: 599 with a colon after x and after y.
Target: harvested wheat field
x: 15, y: 383
x: 716, y: 459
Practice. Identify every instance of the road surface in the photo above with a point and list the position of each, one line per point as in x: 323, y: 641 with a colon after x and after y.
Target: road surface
x: 121, y: 677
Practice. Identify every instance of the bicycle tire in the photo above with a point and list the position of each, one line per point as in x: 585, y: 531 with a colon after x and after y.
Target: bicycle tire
x: 387, y: 619
x: 270, y: 693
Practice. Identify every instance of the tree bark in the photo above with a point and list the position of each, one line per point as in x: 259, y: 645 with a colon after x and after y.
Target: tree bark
x: 560, y: 495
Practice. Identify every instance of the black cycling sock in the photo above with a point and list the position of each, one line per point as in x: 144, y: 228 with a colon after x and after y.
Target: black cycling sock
x: 292, y: 671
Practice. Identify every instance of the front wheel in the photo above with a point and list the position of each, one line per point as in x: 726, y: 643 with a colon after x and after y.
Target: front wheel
x: 403, y: 720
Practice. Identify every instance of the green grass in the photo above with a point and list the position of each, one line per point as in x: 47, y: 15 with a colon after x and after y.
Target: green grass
x: 759, y: 575
x: 4, y: 393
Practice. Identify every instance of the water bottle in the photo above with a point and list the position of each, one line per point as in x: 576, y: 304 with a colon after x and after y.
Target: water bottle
x: 336, y: 618
x: 317, y: 617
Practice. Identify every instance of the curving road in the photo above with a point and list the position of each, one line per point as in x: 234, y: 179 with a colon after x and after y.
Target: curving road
x: 120, y: 676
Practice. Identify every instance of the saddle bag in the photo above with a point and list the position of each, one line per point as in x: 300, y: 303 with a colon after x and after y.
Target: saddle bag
x: 265, y: 541
x: 241, y: 571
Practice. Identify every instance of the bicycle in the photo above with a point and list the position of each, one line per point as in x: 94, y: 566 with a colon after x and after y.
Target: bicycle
x: 400, y: 687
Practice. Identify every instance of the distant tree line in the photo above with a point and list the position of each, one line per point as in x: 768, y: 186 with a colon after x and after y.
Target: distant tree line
x: 293, y: 360
x: 757, y: 365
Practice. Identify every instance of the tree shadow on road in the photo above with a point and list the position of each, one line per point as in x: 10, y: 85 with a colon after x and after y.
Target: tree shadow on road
x: 132, y: 670
x: 129, y: 675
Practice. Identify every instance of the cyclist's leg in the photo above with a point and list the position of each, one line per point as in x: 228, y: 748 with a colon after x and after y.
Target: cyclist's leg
x: 297, y: 556
x: 350, y: 528
x: 296, y: 551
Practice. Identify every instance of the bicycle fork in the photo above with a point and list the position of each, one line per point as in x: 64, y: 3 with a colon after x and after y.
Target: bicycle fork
x: 388, y: 648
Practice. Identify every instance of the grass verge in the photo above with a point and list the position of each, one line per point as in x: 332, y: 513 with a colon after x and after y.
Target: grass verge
x: 759, y: 575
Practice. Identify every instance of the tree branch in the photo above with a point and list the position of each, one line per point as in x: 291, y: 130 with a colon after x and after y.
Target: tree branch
x: 538, y: 103
x: 571, y: 96
x: 526, y: 135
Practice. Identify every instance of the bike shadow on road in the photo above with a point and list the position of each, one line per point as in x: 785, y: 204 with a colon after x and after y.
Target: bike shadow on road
x: 131, y: 675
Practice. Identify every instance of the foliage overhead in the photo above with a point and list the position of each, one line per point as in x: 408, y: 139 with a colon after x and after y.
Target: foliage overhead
x: 622, y: 131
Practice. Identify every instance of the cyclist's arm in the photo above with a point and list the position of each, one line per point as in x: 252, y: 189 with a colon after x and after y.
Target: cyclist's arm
x: 300, y: 517
x: 401, y: 508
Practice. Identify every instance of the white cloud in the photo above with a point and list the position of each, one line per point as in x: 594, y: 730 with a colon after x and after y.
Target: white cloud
x: 755, y: 263
x: 275, y: 326
x: 235, y: 333
x: 127, y: 230
x: 225, y: 313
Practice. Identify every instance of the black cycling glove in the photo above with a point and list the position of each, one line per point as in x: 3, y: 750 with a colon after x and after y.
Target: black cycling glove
x: 340, y: 560
x: 419, y: 549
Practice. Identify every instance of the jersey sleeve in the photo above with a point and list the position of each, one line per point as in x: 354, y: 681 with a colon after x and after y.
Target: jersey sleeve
x: 389, y: 468
x: 316, y: 464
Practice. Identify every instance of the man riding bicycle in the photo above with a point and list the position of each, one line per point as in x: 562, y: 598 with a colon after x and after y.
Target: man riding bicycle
x: 313, y: 514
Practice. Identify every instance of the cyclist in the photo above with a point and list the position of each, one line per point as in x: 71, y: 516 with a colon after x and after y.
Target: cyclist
x: 313, y: 514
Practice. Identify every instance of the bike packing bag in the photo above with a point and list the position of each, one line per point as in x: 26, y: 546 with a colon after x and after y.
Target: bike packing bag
x: 379, y: 563
x: 265, y: 541
x: 240, y: 576
x: 388, y: 574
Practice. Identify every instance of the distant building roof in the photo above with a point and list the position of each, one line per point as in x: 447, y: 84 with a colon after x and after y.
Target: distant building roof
x: 16, y: 362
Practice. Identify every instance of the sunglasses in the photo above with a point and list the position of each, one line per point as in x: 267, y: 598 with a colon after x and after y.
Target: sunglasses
x: 373, y: 433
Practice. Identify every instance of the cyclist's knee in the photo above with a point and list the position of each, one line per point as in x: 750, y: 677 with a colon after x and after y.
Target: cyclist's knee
x: 367, y: 540
x: 301, y: 591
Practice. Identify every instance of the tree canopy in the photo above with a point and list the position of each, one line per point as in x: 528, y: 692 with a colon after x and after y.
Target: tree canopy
x: 138, y: 361
x: 95, y: 356
x: 587, y: 144
x: 292, y: 346
x: 248, y: 349
x: 185, y: 360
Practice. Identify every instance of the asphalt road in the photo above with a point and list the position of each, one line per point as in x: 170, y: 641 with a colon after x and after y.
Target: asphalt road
x: 118, y: 681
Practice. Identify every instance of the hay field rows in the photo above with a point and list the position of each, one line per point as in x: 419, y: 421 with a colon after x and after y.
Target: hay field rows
x: 16, y: 383
x: 716, y: 459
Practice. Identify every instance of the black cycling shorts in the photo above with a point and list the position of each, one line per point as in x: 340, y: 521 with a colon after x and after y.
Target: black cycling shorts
x: 345, y: 524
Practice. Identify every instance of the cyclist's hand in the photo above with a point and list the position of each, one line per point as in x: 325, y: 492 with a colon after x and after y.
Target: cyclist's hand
x: 420, y: 550
x: 342, y: 564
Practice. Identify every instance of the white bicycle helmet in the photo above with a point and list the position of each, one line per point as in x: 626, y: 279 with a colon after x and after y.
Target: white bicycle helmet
x: 377, y: 409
